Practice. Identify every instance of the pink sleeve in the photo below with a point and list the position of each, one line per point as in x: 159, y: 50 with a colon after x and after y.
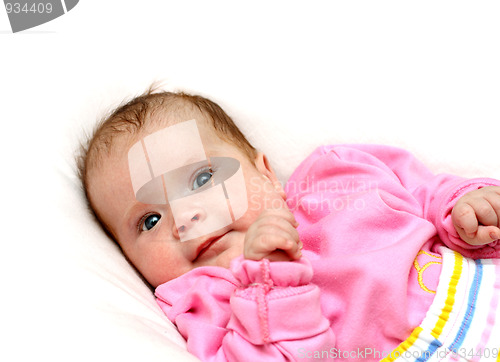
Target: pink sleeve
x: 261, y: 311
x: 435, y: 195
x: 438, y: 195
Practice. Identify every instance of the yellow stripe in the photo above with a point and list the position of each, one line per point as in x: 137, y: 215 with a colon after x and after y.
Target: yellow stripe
x: 403, y: 346
x: 450, y: 299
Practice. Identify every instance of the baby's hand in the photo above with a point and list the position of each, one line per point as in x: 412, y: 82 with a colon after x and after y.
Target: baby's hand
x: 274, y: 236
x: 476, y: 216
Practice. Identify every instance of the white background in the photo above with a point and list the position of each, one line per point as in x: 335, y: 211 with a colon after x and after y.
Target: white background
x: 422, y: 75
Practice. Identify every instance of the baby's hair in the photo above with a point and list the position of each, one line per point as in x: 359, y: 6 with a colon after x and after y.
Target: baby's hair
x: 135, y: 116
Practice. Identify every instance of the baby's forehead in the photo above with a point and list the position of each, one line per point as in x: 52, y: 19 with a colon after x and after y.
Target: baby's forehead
x: 174, y: 146
x: 168, y: 144
x: 188, y: 139
x: 176, y: 142
x: 170, y: 123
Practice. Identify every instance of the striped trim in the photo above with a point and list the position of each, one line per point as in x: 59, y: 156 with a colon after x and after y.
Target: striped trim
x: 404, y: 346
x: 453, y: 323
x: 450, y: 299
x: 491, y: 318
x: 471, y: 306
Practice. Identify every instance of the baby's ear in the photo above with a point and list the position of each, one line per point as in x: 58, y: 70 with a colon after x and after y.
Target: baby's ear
x: 264, y: 167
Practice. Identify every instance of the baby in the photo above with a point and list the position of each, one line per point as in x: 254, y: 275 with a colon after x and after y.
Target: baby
x: 363, y: 255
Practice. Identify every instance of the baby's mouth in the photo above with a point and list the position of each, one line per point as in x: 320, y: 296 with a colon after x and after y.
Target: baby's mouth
x: 207, y: 244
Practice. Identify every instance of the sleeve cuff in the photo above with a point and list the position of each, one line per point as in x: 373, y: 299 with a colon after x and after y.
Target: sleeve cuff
x: 276, y: 273
x: 275, y: 301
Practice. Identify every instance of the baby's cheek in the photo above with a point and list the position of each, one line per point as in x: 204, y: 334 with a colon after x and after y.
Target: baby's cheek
x: 160, y: 268
x: 242, y: 224
x: 255, y: 204
x: 271, y: 200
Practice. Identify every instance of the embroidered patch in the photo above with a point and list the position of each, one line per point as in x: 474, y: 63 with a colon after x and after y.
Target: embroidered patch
x: 427, y: 259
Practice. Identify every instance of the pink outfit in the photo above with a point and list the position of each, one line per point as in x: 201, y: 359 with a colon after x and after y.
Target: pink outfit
x: 371, y: 219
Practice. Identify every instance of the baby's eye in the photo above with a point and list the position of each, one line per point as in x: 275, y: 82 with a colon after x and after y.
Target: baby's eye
x: 150, y: 221
x: 202, y: 179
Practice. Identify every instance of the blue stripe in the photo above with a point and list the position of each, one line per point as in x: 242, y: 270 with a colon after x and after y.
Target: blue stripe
x: 433, y: 346
x: 471, y: 307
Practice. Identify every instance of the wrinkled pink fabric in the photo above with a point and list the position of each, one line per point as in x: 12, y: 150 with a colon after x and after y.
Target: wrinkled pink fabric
x: 371, y: 218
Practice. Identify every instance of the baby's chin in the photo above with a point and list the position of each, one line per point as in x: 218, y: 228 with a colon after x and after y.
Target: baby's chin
x: 223, y: 251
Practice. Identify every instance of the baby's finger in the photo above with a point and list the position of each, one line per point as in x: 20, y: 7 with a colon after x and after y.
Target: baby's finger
x: 292, y: 232
x: 274, y: 222
x: 280, y: 213
x: 485, y: 212
x: 266, y: 243
x: 293, y: 249
x: 284, y: 241
x: 464, y: 218
x: 485, y: 235
x: 286, y: 238
x: 494, y: 200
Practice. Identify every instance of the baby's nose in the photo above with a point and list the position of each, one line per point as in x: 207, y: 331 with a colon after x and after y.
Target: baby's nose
x: 186, y: 220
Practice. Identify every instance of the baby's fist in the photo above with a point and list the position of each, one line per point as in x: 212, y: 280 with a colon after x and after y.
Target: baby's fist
x: 476, y: 216
x: 274, y: 236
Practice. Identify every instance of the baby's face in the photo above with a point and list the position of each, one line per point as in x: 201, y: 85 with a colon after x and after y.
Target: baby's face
x: 154, y: 235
